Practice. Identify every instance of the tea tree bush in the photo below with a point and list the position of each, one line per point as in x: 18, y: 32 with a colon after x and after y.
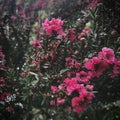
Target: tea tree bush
x: 59, y: 66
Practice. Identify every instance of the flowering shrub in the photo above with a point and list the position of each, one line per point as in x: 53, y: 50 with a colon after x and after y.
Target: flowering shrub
x: 62, y: 78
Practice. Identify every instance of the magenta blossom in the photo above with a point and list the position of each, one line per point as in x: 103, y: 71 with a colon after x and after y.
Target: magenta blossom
x: 23, y: 74
x: 79, y: 103
x: 53, y: 25
x: 54, y: 89
x: 96, y: 66
x: 73, y: 85
x: 76, y: 104
x: 107, y: 55
x: 83, y: 76
x: 60, y: 101
x: 116, y: 68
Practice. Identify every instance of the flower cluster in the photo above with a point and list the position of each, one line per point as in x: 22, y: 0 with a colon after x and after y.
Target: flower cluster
x: 54, y: 25
x: 77, y: 88
x: 72, y: 63
x: 74, y: 91
x: 78, y: 93
x: 104, y: 60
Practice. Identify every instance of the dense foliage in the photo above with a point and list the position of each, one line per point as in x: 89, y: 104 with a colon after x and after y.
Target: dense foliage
x: 57, y: 66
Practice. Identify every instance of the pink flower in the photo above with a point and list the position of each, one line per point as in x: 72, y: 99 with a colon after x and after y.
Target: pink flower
x: 116, y: 68
x: 77, y: 105
x: 75, y: 101
x: 86, y: 96
x: 96, y: 65
x: 107, y: 54
x: 70, y: 81
x: 23, y: 74
x: 54, y: 89
x: 72, y: 85
x: 83, y: 76
x: 36, y: 43
x: 82, y: 35
x: 60, y: 101
x: 89, y: 87
x: 52, y: 102
x: 13, y: 18
x: 90, y: 64
x: 53, y: 25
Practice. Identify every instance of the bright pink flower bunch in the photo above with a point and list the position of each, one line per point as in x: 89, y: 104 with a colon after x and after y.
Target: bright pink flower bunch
x: 54, y: 89
x: 83, y: 76
x: 96, y: 66
x: 104, y: 60
x: 53, y: 25
x: 79, y: 102
x: 80, y: 92
x: 77, y: 88
x: 107, y: 55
